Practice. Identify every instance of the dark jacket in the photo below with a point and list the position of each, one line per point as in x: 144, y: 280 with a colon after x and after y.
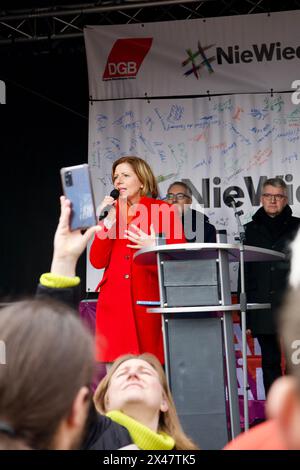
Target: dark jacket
x: 69, y: 295
x: 101, y: 433
x: 104, y: 434
x: 267, y: 281
x: 197, y: 228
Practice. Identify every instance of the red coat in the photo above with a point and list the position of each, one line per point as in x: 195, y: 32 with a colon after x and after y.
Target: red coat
x: 122, y: 326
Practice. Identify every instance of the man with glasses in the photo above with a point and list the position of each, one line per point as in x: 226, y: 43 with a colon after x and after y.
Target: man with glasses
x: 272, y: 227
x: 197, y: 228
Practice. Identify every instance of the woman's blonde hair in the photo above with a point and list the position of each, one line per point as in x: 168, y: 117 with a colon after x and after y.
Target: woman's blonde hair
x: 168, y: 421
x: 142, y: 171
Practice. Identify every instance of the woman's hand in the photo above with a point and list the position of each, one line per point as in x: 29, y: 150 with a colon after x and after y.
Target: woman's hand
x: 68, y: 246
x: 140, y: 238
x: 111, y: 216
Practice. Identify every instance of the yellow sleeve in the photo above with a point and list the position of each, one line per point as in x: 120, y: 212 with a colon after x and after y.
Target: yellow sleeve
x: 58, y: 282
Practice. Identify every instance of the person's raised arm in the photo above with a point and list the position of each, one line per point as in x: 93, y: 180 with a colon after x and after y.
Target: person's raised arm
x: 61, y: 282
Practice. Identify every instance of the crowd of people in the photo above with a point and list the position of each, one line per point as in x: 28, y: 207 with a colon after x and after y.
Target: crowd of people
x: 77, y: 422
x: 45, y: 387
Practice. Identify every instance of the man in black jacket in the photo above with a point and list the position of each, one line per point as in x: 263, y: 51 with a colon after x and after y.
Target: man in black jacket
x: 272, y: 227
x: 197, y: 228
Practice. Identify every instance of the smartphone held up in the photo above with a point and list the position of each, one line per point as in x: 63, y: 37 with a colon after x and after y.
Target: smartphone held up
x: 77, y: 187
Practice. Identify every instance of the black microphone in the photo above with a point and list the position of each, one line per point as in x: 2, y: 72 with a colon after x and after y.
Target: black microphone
x: 115, y: 193
x: 229, y: 201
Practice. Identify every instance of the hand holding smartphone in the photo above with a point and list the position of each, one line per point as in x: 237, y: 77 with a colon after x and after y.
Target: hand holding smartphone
x: 77, y: 186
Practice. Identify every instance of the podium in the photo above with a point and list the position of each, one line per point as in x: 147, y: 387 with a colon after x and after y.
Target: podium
x: 196, y: 308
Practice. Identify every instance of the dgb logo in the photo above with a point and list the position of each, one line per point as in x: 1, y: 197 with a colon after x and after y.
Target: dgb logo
x: 126, y: 57
x: 122, y: 68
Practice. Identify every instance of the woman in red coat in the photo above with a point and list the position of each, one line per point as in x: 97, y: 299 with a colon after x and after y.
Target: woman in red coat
x: 132, y: 223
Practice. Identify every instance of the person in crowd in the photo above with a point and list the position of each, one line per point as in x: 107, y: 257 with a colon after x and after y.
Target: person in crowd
x: 135, y: 394
x: 272, y: 227
x: 135, y: 219
x: 197, y: 228
x: 282, y: 430
x: 44, y: 384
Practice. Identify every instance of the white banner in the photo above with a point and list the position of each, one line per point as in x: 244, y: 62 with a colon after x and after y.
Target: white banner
x: 237, y: 54
x: 221, y: 146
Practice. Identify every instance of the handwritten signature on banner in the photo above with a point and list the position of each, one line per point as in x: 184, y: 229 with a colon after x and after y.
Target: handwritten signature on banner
x: 127, y: 121
x: 291, y: 119
x: 274, y: 104
x: 290, y: 158
x: 270, y: 104
x: 203, y: 162
x: 291, y: 135
x: 222, y: 222
x: 239, y: 135
x: 226, y: 105
x: 259, y: 158
x: 171, y: 121
x: 176, y: 113
x: 231, y: 165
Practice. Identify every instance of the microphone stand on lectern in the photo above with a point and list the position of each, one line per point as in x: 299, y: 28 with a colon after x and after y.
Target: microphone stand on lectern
x: 243, y: 306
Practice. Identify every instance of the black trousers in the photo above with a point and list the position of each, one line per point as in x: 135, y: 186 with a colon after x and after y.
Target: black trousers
x: 270, y: 359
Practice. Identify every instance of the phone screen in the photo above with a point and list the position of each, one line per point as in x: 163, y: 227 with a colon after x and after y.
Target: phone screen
x: 77, y: 187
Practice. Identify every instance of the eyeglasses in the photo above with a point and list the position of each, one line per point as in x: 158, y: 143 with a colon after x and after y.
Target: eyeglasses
x: 277, y: 197
x: 179, y: 196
